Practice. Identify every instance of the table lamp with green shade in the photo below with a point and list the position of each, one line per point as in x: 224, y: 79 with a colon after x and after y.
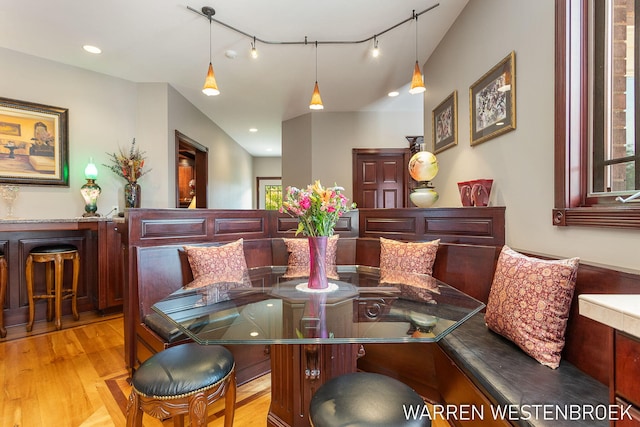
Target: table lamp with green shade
x: 90, y: 190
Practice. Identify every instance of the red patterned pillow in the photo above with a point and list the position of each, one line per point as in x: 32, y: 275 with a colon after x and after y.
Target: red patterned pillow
x: 298, y: 262
x: 529, y: 303
x: 399, y: 259
x: 222, y: 263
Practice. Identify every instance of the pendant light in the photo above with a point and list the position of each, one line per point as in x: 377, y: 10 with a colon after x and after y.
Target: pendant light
x: 254, y: 51
x: 417, y: 84
x: 210, y: 87
x: 316, y: 101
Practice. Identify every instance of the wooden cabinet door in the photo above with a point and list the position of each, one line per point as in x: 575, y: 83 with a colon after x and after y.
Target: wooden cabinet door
x: 380, y: 177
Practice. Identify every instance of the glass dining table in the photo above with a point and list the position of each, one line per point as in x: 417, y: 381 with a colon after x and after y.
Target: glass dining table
x: 315, y: 335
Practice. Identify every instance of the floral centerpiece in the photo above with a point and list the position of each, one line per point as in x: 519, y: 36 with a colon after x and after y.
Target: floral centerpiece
x: 318, y: 210
x: 129, y: 165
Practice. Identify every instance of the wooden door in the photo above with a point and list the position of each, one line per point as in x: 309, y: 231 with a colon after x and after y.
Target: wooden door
x: 380, y: 177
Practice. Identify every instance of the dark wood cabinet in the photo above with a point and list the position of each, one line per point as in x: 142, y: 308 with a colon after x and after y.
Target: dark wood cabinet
x: 625, y: 386
x: 110, y: 266
x: 100, y: 286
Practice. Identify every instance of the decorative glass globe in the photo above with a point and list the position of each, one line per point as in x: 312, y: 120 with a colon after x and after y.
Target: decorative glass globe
x: 423, y: 166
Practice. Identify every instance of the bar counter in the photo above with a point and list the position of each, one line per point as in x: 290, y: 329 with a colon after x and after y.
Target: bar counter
x: 98, y: 242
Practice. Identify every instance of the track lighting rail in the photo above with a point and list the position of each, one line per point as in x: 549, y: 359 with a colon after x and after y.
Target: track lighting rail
x: 414, y: 16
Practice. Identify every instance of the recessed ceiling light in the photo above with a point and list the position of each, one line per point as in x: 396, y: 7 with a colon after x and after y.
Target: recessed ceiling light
x: 394, y: 93
x: 92, y: 49
x: 253, y: 130
x: 231, y: 54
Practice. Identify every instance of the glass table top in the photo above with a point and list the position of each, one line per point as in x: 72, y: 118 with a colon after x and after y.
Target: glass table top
x: 273, y: 309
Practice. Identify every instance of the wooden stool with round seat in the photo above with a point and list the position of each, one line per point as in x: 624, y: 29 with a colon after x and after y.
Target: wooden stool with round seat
x: 3, y: 292
x: 183, y: 380
x: 365, y: 399
x: 54, y: 256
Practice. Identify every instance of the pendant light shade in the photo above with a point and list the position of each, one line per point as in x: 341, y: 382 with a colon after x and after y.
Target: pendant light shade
x: 316, y: 101
x: 210, y: 87
x: 417, y: 84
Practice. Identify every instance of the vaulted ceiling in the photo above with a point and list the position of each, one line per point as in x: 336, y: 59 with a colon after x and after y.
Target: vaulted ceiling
x: 167, y: 41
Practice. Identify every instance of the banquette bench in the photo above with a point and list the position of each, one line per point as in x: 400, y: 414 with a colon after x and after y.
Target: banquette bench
x: 471, y: 366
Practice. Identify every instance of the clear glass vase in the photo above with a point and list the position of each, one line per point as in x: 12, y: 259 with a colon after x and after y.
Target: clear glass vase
x: 9, y: 194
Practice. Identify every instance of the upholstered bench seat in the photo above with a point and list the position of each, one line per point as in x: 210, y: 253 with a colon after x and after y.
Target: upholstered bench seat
x: 509, y: 376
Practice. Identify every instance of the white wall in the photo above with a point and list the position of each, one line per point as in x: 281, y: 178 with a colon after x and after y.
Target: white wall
x: 102, y: 115
x: 230, y: 165
x: 521, y: 161
x: 296, y: 151
x: 334, y: 135
x: 106, y: 113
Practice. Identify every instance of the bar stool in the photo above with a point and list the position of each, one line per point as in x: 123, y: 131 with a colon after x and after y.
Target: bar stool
x: 3, y: 293
x: 182, y: 380
x: 365, y: 399
x: 54, y: 256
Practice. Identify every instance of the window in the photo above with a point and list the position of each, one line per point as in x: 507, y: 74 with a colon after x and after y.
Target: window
x: 268, y: 192
x: 596, y: 155
x: 615, y: 156
x: 273, y: 197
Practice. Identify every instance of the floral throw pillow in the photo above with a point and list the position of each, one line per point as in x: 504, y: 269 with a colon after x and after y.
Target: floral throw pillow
x: 407, y: 262
x: 217, y: 264
x: 529, y: 303
x: 298, y: 262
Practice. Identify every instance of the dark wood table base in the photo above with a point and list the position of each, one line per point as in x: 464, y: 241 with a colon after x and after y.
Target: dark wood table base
x: 297, y: 371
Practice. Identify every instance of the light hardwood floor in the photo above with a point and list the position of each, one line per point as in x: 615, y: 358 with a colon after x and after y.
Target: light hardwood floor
x: 76, y: 377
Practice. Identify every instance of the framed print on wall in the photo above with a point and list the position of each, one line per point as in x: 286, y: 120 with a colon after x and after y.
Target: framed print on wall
x: 492, y: 102
x: 33, y: 143
x: 444, y: 124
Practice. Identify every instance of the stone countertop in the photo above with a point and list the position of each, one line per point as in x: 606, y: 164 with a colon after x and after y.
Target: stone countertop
x: 619, y: 311
x: 52, y: 220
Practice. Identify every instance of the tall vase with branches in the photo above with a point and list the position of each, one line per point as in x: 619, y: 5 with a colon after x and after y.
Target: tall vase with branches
x: 129, y: 164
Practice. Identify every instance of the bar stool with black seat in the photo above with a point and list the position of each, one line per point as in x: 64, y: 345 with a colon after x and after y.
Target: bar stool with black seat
x: 366, y: 399
x: 3, y: 292
x: 183, y: 380
x: 54, y: 256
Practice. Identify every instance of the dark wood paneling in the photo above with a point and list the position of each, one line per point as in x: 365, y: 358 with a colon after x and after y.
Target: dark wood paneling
x: 176, y: 228
x: 482, y: 225
x: 16, y: 246
x: 380, y: 177
x: 240, y: 226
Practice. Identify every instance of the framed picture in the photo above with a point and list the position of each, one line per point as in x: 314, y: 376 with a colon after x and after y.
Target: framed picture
x: 444, y: 123
x: 492, y: 102
x: 34, y: 148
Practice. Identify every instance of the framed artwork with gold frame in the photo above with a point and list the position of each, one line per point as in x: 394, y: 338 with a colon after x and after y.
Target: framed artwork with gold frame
x: 34, y: 148
x: 444, y: 123
x: 492, y: 102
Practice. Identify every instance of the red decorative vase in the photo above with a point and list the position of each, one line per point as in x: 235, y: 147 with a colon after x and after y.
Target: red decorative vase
x: 317, y: 262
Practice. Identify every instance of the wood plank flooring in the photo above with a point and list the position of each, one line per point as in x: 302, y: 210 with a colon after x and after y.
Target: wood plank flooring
x: 76, y: 377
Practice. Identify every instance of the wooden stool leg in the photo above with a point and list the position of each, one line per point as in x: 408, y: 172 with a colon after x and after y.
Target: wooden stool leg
x: 230, y: 402
x: 178, y: 421
x: 3, y: 292
x: 74, y: 298
x: 197, y: 411
x: 134, y: 412
x: 59, y: 269
x: 29, y: 280
x: 50, y: 289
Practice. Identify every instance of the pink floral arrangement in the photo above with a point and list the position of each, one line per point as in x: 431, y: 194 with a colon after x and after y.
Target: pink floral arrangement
x: 317, y: 208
